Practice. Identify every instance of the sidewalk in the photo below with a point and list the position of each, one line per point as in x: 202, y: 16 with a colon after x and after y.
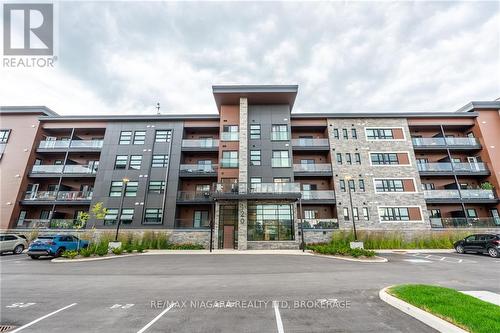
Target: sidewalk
x: 416, y: 251
x: 226, y: 251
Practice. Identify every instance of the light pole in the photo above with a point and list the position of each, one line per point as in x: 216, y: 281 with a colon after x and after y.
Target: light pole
x: 124, y: 185
x: 349, y: 179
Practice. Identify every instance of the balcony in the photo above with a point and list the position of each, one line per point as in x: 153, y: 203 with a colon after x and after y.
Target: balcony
x: 256, y: 191
x: 443, y: 143
x: 200, y: 145
x: 446, y: 168
x: 319, y: 224
x: 51, y: 197
x: 230, y: 136
x: 44, y: 170
x: 318, y: 197
x: 196, y: 170
x: 192, y: 224
x: 49, y: 224
x: 322, y: 169
x: 73, y: 145
x: 469, y: 196
x: 462, y: 222
x: 196, y: 197
x: 310, y: 144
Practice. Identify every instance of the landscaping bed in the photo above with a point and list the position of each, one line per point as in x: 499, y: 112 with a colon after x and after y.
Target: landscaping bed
x: 340, y: 250
x: 464, y: 311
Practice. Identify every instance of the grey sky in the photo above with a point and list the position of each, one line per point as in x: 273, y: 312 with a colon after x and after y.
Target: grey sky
x: 123, y: 57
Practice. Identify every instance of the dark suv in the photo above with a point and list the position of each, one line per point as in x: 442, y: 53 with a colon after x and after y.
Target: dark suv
x: 480, y: 243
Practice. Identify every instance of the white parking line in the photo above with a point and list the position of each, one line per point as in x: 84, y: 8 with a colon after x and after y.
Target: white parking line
x: 279, y: 323
x: 155, y: 319
x: 42, y: 318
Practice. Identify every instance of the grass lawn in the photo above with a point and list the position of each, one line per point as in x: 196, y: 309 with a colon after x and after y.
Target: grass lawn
x: 465, y: 311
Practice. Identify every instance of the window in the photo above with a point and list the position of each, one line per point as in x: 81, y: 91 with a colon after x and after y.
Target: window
x: 4, y: 136
x: 307, y: 161
x: 162, y: 136
x: 428, y: 186
x: 355, y: 214
x: 310, y: 214
x: 127, y: 215
x: 339, y: 158
x: 254, y: 157
x: 335, y: 133
x: 357, y: 158
x: 116, y: 189
x: 366, y: 215
x: 471, y: 213
x: 435, y: 214
x: 135, y: 162
x: 255, y: 131
x: 281, y: 180
x: 229, y: 159
x: 351, y: 185
x: 156, y: 186
x: 131, y: 189
x: 153, y: 215
x: 280, y: 159
x: 125, y: 137
x: 111, y: 216
x: 361, y: 184
x: 200, y: 219
x: 230, y: 133
x: 384, y: 158
x: 389, y: 185
x: 345, y: 212
x: 121, y: 161
x: 279, y: 132
x: 354, y: 134
x: 139, y: 137
x: 342, y: 185
x: 379, y: 134
x: 348, y: 158
x: 344, y: 133
x: 159, y: 161
x: 394, y: 214
x: 202, y: 188
x: 270, y: 222
x: 253, y: 181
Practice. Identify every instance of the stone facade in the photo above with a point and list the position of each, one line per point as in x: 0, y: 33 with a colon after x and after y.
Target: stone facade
x: 369, y: 198
x: 312, y: 236
x: 243, y: 173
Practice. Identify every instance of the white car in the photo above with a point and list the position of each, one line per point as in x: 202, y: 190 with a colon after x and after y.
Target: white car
x: 12, y: 243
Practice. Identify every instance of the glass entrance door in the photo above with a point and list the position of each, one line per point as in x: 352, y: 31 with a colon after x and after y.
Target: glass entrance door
x: 228, y: 226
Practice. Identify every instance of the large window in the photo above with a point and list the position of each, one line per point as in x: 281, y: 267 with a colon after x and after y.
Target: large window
x: 131, y: 189
x: 389, y: 185
x: 111, y: 216
x: 230, y: 133
x: 229, y: 159
x: 394, y: 214
x: 127, y: 215
x: 162, y: 136
x: 121, y: 161
x: 379, y: 134
x: 156, y: 186
x: 153, y: 215
x: 255, y: 157
x: 159, y: 161
x: 116, y: 189
x: 270, y: 222
x: 279, y: 132
x: 384, y: 158
x: 4, y: 136
x: 200, y: 219
x: 255, y: 131
x: 139, y: 137
x: 135, y: 162
x: 125, y: 137
x: 280, y: 159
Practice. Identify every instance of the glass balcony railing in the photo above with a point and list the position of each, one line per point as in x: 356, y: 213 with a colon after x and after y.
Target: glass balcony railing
x: 470, y: 167
x: 53, y: 144
x: 229, y: 163
x: 245, y: 188
x: 192, y: 224
x: 59, y: 196
x: 448, y: 167
x: 62, y: 144
x: 40, y: 168
x: 420, y: 142
x: 86, y: 143
x: 77, y: 168
x: 318, y: 195
x: 50, y: 224
x: 193, y: 196
x: 477, y: 194
x: 198, y: 169
x: 66, y: 169
x: 435, y: 167
x: 462, y: 222
x: 310, y: 143
x: 319, y: 224
x: 320, y: 167
x: 230, y: 136
x: 200, y: 143
x: 455, y: 194
x: 462, y: 141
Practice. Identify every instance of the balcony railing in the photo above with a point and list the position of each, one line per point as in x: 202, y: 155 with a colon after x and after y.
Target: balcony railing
x: 319, y: 224
x: 193, y: 196
x: 438, y: 142
x: 318, y: 195
x: 323, y: 167
x: 200, y: 143
x: 230, y: 136
x: 462, y: 222
x: 86, y: 144
x: 50, y: 224
x: 310, y: 143
x: 192, y: 224
x: 449, y: 167
x: 66, y: 169
x: 58, y: 196
x: 62, y: 144
x: 455, y: 194
x: 264, y: 188
x: 198, y: 169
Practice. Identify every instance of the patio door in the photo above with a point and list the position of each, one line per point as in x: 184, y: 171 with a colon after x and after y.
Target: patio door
x: 474, y: 165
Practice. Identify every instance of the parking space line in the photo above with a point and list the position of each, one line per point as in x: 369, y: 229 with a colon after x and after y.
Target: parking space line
x: 279, y: 323
x: 155, y: 319
x: 42, y: 318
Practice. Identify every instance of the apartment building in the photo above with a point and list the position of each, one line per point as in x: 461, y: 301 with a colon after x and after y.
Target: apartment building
x: 254, y: 173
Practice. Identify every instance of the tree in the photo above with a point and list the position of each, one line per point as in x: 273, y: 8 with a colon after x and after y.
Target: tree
x: 99, y: 211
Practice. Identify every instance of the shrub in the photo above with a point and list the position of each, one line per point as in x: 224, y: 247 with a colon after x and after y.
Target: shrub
x: 129, y: 248
x: 70, y: 254
x: 335, y: 249
x: 185, y: 246
x: 117, y: 250
x: 87, y: 251
x: 140, y: 247
x: 102, y: 248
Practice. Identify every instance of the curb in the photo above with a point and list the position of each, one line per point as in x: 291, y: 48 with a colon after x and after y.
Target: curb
x: 415, y: 251
x: 228, y: 252
x: 427, y: 318
x: 376, y: 259
x: 59, y: 260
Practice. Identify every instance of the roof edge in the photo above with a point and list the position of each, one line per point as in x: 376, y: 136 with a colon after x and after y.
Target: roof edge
x: 29, y: 109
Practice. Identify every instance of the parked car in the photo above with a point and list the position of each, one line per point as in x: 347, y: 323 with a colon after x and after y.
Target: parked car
x: 55, y: 245
x: 13, y: 243
x: 480, y: 243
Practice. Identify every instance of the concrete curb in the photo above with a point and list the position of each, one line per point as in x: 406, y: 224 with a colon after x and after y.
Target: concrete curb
x: 416, y: 251
x: 421, y: 315
x: 375, y: 260
x: 63, y: 260
x: 234, y: 252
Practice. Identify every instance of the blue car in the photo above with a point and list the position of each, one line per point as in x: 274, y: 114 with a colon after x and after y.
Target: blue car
x: 55, y: 245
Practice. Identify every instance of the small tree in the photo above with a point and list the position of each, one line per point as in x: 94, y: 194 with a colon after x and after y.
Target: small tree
x: 99, y: 211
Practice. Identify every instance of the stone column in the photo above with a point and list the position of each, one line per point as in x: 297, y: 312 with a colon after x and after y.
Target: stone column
x: 216, y: 226
x: 243, y: 174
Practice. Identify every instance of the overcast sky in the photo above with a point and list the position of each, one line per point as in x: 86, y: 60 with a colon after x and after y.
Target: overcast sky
x: 117, y: 58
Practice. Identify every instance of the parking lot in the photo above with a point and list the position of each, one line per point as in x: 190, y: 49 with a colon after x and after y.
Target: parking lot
x: 225, y: 293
